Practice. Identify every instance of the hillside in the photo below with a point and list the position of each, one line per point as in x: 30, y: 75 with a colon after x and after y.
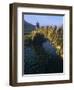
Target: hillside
x: 28, y: 27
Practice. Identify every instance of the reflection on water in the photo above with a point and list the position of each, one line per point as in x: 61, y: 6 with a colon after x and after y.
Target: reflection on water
x: 42, y: 59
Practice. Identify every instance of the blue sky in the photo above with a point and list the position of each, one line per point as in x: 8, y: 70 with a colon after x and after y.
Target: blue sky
x: 44, y: 20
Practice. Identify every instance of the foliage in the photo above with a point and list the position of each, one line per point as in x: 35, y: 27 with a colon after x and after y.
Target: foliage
x: 53, y: 33
x: 38, y: 39
x: 28, y: 39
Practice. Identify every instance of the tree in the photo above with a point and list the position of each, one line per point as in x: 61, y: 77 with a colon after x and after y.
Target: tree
x: 37, y: 25
x: 38, y: 39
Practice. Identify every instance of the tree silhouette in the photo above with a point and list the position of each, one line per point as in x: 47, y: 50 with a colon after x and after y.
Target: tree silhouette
x: 38, y: 39
x: 37, y: 25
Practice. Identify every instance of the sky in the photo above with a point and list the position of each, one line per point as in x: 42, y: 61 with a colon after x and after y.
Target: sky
x: 44, y: 20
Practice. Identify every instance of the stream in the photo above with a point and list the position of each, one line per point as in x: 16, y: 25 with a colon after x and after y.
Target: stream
x: 42, y: 59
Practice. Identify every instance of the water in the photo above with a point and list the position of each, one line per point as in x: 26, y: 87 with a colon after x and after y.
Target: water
x: 42, y: 59
x: 49, y: 48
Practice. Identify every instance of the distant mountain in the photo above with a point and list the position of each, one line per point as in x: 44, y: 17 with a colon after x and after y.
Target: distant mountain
x: 28, y: 27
